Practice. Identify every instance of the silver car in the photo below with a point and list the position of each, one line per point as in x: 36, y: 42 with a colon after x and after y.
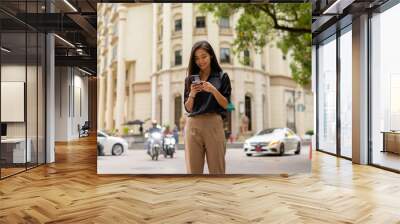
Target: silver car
x: 110, y: 145
x: 273, y: 141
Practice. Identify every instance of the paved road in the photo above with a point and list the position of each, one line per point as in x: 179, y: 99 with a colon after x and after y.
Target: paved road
x: 138, y: 162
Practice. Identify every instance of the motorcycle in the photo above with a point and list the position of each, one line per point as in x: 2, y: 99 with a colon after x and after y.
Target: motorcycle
x: 155, y: 144
x: 169, y: 146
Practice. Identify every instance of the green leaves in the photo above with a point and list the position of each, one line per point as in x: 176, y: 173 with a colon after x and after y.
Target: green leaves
x: 288, y: 24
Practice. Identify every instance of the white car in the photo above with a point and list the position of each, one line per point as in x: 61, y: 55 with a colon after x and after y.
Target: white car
x: 273, y: 141
x: 110, y: 145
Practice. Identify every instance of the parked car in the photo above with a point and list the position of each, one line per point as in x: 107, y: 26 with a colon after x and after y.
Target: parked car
x: 111, y: 145
x: 273, y: 141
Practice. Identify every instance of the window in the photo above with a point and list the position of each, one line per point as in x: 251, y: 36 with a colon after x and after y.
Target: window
x: 200, y: 22
x: 327, y: 95
x: 225, y: 55
x: 385, y: 88
x: 178, y: 25
x: 178, y: 57
x: 224, y: 23
x: 346, y: 94
x: 246, y: 57
x: 248, y: 110
x: 178, y: 110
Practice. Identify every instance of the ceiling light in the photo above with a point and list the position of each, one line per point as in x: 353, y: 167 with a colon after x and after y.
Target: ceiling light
x: 64, y: 40
x: 5, y: 50
x: 84, y: 71
x: 331, y: 7
x: 70, y: 5
x: 337, y: 7
x: 79, y: 51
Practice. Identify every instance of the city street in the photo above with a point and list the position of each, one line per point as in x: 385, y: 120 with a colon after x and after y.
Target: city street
x: 138, y: 162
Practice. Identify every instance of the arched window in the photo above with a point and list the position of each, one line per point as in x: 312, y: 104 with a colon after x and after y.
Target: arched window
x: 247, y: 110
x: 178, y: 25
x: 178, y: 110
x: 247, y: 58
x: 199, y: 23
x: 177, y: 22
x: 225, y: 56
x: 225, y: 52
x: 177, y: 55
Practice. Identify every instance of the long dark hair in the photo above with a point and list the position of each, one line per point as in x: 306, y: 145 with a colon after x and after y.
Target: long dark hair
x: 193, y: 69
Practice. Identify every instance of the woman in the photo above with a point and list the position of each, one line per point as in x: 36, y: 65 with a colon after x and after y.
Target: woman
x: 206, y: 103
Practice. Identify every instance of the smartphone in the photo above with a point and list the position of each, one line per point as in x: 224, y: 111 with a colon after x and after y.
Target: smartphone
x: 196, y: 79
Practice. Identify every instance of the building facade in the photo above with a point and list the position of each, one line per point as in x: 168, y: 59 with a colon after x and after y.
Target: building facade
x: 143, y: 53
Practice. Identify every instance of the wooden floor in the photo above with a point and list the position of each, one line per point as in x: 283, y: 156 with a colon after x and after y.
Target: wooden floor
x: 70, y: 191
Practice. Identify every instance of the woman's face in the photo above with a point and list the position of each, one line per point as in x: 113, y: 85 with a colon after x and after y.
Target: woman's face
x: 202, y: 58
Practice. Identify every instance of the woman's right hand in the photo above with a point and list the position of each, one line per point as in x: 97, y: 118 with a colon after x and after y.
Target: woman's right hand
x: 194, y: 89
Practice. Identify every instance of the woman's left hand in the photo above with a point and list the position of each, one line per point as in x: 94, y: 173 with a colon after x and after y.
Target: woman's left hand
x: 208, y: 87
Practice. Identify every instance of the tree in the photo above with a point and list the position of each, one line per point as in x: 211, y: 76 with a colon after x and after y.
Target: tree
x: 286, y: 24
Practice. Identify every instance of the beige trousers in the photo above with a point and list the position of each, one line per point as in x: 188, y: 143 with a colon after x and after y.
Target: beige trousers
x: 204, y: 137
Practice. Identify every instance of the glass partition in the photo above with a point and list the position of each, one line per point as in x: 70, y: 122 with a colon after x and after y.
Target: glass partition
x: 13, y: 103
x: 22, y: 77
x: 41, y: 109
x: 31, y: 97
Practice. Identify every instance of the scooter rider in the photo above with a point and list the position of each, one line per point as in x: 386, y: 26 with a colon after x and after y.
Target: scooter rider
x: 154, y: 128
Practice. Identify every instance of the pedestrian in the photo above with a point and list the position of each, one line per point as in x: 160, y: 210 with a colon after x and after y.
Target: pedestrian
x: 206, y: 97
